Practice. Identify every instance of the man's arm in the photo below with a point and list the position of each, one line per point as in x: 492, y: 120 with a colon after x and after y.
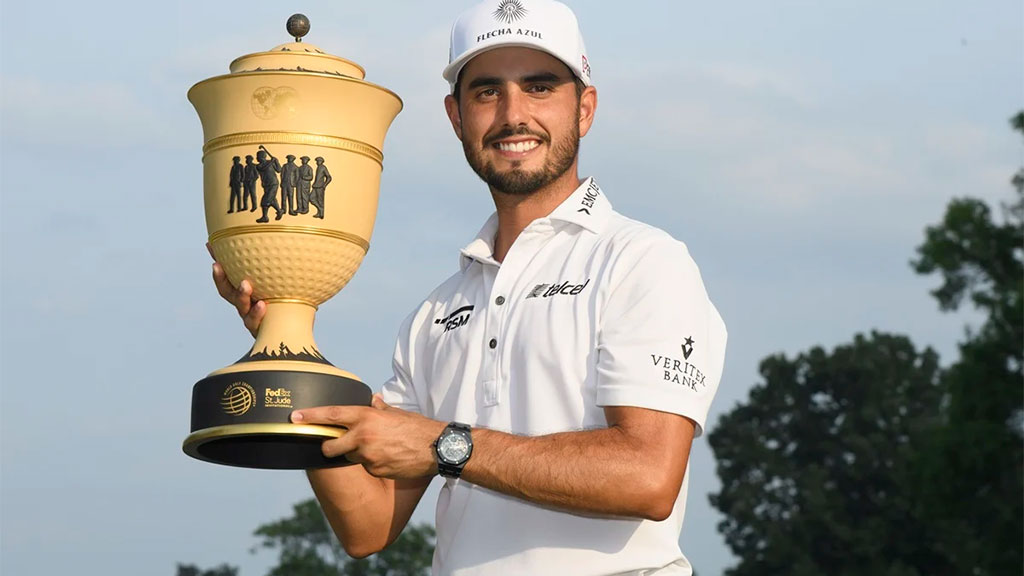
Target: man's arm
x: 633, y: 468
x: 366, y: 513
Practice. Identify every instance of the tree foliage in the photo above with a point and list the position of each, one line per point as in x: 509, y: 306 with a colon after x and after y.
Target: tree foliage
x: 871, y: 459
x: 815, y: 467
x: 193, y: 570
x: 307, y: 547
x: 973, y: 475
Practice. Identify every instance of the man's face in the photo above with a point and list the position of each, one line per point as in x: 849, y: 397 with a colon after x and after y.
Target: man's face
x: 519, y: 118
x: 261, y: 156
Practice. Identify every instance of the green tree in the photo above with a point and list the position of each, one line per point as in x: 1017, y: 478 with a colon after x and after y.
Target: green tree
x: 193, y: 570
x: 816, y: 466
x: 973, y: 473
x: 873, y: 460
x: 307, y: 547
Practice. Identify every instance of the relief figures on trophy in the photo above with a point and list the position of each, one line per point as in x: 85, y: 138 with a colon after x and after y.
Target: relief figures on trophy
x: 299, y: 184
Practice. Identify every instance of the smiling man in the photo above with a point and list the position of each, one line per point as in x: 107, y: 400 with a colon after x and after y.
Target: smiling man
x: 558, y: 378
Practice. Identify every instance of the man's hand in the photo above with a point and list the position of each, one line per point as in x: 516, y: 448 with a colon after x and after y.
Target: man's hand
x: 250, y: 309
x: 387, y: 441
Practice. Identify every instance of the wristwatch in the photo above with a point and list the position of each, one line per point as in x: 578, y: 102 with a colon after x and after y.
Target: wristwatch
x: 453, y: 448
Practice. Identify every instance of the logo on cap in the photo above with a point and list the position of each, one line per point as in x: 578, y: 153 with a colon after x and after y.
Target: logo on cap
x: 509, y: 11
x: 586, y: 66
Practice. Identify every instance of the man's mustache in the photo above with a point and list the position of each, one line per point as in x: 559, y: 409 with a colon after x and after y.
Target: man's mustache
x: 520, y: 131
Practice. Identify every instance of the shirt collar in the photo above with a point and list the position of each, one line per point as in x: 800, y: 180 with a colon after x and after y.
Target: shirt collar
x: 587, y: 207
x: 482, y: 247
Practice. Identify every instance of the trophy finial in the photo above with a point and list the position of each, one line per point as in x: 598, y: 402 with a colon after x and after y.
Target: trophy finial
x: 298, y: 26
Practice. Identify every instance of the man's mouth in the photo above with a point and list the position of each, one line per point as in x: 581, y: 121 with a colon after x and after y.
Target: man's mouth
x: 517, y: 147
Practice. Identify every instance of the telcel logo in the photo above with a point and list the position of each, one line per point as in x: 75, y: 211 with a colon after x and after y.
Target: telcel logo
x: 563, y: 288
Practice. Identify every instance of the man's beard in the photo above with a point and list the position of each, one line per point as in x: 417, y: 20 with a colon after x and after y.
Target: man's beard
x: 519, y: 182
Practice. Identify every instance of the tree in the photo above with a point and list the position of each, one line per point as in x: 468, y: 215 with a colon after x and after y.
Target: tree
x: 816, y: 466
x: 873, y: 460
x: 973, y: 474
x: 193, y: 570
x: 307, y: 547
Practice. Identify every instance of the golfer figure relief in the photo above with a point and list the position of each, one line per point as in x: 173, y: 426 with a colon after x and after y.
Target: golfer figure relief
x: 300, y: 185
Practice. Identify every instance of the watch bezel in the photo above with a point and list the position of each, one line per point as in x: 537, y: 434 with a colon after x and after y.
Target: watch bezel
x: 446, y: 437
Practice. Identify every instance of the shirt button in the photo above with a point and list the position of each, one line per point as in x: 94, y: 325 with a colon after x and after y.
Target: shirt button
x: 499, y: 300
x: 493, y: 343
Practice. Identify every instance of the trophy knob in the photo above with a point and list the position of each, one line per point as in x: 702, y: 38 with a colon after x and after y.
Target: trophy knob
x: 298, y: 26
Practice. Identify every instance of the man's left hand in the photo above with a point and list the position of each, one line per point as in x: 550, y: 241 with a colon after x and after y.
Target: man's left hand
x: 389, y: 442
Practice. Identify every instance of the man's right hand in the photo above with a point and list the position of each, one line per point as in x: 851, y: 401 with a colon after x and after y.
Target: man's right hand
x: 250, y: 309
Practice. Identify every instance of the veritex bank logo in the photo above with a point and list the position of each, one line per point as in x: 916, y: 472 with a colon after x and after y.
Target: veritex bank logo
x: 558, y: 289
x: 456, y: 319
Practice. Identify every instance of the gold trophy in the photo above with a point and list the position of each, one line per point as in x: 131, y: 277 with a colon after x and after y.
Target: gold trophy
x: 291, y: 173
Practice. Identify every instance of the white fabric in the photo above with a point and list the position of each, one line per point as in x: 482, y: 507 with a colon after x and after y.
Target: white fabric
x: 541, y: 24
x: 597, y: 311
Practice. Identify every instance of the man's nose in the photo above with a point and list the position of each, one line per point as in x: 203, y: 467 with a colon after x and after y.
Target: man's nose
x: 515, y: 107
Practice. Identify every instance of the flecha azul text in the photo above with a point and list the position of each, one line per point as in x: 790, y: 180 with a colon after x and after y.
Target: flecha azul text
x: 509, y: 32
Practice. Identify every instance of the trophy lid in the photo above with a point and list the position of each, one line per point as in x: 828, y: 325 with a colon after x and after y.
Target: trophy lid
x: 297, y: 56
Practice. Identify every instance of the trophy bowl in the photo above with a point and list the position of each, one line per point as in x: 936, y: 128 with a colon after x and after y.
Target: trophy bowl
x: 291, y: 175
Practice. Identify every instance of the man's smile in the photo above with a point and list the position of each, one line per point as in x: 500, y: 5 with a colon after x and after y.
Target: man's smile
x: 516, y: 147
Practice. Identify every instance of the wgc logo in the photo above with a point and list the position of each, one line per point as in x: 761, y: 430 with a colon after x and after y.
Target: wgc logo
x: 237, y: 399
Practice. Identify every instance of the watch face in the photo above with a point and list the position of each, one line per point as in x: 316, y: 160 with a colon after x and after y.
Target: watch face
x: 453, y: 448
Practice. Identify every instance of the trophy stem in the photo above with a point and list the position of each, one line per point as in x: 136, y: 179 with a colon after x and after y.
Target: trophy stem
x: 286, y: 333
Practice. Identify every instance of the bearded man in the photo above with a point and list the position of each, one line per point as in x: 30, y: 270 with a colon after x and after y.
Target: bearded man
x: 557, y: 379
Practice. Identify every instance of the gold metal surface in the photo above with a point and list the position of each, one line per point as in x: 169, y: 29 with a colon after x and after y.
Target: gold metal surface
x: 305, y: 54
x: 276, y: 228
x: 248, y: 138
x: 200, y: 437
x: 281, y: 73
x: 291, y: 301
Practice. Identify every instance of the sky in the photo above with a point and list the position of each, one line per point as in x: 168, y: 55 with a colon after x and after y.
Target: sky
x: 798, y: 148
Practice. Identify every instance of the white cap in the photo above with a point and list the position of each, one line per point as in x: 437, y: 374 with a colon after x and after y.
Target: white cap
x: 541, y: 24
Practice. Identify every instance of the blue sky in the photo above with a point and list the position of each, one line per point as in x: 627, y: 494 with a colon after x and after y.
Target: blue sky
x: 799, y: 149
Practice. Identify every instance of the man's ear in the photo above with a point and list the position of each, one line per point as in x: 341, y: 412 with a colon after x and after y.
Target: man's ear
x: 451, y: 107
x: 588, y: 107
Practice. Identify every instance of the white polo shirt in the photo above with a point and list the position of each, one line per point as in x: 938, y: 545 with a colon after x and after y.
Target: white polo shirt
x: 588, y: 309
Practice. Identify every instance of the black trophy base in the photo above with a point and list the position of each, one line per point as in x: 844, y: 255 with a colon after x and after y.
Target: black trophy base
x: 243, y: 418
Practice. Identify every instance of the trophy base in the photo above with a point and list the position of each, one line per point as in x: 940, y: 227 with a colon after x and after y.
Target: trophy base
x: 242, y: 418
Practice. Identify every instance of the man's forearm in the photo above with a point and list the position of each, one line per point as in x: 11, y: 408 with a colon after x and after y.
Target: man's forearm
x: 366, y: 513
x: 616, y: 470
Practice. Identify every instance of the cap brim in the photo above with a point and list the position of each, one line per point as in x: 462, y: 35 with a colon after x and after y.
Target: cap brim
x: 451, y: 71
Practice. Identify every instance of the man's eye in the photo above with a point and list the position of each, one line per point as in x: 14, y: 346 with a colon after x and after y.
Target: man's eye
x: 539, y: 88
x: 488, y: 92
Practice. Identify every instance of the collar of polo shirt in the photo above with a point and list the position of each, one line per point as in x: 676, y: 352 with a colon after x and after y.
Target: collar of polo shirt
x: 587, y: 207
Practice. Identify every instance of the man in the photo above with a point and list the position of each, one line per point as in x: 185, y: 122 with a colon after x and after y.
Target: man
x: 558, y: 378
x: 305, y: 181
x: 320, y: 182
x: 289, y: 183
x: 251, y: 175
x: 235, y: 183
x: 268, y: 168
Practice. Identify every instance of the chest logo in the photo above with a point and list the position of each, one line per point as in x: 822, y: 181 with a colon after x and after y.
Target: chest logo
x: 456, y: 319
x: 559, y: 288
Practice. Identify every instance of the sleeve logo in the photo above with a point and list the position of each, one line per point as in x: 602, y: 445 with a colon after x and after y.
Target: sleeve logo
x: 680, y: 371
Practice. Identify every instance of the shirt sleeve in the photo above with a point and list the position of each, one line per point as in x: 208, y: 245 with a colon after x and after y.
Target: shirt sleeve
x: 399, y: 390
x: 661, y: 343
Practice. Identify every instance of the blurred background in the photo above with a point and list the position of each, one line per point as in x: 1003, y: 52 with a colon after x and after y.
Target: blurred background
x: 800, y: 149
